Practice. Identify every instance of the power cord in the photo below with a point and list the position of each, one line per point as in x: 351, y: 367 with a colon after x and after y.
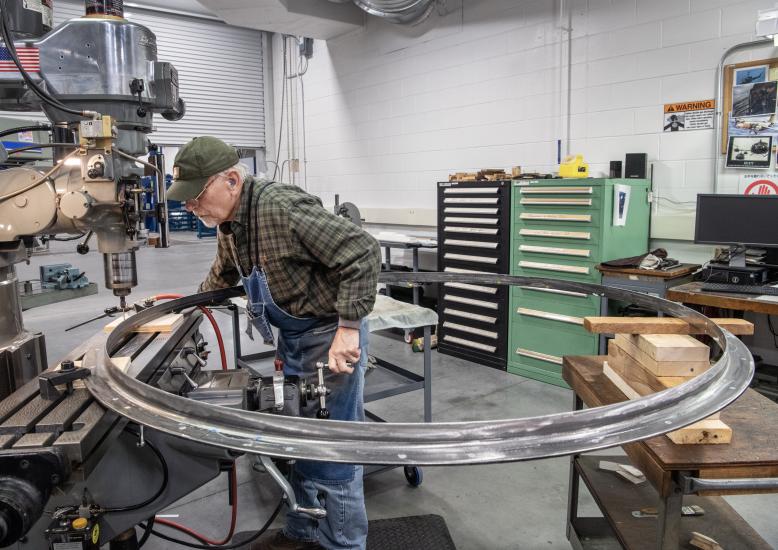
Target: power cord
x: 241, y: 544
x: 155, y: 496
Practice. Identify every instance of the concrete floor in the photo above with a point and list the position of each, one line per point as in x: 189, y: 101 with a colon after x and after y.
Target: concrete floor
x: 507, y: 506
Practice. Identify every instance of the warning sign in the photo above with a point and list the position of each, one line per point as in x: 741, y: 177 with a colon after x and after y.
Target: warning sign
x: 688, y: 115
x: 759, y: 184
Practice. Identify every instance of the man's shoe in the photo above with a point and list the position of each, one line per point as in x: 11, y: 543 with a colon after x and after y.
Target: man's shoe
x: 279, y: 541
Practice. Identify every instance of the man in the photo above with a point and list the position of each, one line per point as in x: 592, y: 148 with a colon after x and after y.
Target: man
x: 313, y: 276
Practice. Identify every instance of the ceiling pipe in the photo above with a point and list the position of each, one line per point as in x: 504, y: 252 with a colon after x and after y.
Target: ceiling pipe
x: 401, y: 12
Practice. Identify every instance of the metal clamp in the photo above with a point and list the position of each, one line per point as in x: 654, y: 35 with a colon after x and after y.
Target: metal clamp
x: 291, y: 501
x: 68, y: 373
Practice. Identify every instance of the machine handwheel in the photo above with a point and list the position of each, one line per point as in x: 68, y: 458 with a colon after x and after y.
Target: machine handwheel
x: 414, y: 475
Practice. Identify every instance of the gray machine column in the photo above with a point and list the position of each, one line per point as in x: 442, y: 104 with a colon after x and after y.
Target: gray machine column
x: 22, y: 353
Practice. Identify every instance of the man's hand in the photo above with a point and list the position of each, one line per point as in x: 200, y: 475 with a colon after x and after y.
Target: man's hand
x: 345, y: 348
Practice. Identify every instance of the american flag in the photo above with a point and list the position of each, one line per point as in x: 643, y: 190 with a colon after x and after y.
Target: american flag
x: 29, y: 58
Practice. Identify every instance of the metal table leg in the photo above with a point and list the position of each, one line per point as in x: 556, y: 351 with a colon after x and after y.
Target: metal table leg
x: 603, y: 341
x: 427, y: 374
x: 388, y: 268
x: 572, y: 495
x: 415, y: 270
x: 236, y: 333
x: 669, y: 517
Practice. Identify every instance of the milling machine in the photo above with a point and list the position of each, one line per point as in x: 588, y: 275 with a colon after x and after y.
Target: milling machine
x: 98, y: 81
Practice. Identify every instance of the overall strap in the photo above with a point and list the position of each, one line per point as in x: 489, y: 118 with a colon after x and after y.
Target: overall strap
x: 255, y: 209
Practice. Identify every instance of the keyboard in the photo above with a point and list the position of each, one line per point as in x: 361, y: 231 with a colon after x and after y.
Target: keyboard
x: 765, y: 290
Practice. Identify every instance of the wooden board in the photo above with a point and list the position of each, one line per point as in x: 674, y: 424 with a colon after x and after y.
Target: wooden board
x: 166, y: 323
x: 692, y: 293
x: 640, y: 379
x: 660, y: 368
x: 660, y: 325
x: 708, y: 431
x: 671, y: 347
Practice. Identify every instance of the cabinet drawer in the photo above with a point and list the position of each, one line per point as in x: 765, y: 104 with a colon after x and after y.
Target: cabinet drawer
x: 555, y: 268
x: 554, y: 217
x: 559, y: 190
x: 555, y: 301
x: 555, y: 201
x: 557, y: 235
x: 552, y: 339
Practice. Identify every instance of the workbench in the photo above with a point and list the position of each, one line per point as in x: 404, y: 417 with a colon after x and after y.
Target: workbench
x: 692, y: 293
x: 414, y: 246
x: 676, y: 474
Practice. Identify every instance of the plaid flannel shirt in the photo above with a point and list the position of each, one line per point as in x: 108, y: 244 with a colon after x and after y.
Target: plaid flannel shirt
x: 317, y: 264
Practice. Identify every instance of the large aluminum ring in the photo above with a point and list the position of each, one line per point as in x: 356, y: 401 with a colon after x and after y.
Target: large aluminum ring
x: 439, y: 443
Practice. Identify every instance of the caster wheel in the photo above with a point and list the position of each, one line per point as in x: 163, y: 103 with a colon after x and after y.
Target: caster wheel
x: 414, y: 475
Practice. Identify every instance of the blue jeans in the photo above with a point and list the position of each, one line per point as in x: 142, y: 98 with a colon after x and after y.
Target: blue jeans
x: 346, y: 524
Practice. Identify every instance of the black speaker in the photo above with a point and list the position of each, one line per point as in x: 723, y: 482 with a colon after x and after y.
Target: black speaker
x: 615, y: 171
x: 636, y: 165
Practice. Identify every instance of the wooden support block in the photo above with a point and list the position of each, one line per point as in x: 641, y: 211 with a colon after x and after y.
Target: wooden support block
x: 672, y: 347
x: 660, y: 368
x: 707, y: 431
x: 705, y: 543
x: 660, y: 325
x: 166, y: 323
x: 640, y: 379
x: 702, y: 432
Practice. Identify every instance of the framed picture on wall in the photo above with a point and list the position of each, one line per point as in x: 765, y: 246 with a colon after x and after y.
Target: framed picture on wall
x: 749, y: 151
x: 751, y: 75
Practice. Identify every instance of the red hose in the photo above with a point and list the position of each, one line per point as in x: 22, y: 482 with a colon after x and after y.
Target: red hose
x: 233, y: 520
x: 208, y: 314
x: 233, y: 475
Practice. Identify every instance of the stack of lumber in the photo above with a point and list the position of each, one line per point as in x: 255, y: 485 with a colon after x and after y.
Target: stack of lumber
x: 648, y: 355
x: 487, y: 174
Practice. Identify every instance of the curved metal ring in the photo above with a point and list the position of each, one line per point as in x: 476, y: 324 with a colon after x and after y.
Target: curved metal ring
x: 443, y: 443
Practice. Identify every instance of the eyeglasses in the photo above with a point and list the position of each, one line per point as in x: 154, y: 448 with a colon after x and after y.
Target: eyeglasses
x: 191, y: 204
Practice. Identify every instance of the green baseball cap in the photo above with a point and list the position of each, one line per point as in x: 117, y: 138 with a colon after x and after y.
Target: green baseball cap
x: 196, y: 162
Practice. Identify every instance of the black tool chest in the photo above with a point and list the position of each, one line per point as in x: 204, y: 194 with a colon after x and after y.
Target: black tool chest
x: 474, y: 237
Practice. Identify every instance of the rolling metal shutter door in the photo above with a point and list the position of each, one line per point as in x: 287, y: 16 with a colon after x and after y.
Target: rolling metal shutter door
x: 219, y: 70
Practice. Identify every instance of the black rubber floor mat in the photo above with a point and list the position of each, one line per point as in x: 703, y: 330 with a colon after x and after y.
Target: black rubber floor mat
x: 409, y: 533
x: 428, y: 532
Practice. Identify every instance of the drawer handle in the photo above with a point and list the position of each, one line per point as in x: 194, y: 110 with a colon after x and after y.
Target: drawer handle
x: 557, y: 217
x: 470, y: 301
x: 472, y: 200
x: 550, y: 316
x: 480, y: 221
x: 556, y: 190
x: 471, y: 330
x: 468, y: 343
x: 472, y: 244
x: 474, y: 288
x: 555, y: 234
x: 470, y: 190
x: 470, y: 258
x: 460, y: 270
x: 539, y: 356
x: 474, y: 230
x: 469, y: 315
x: 579, y: 252
x: 556, y: 291
x: 557, y: 202
x: 459, y: 210
x: 555, y: 267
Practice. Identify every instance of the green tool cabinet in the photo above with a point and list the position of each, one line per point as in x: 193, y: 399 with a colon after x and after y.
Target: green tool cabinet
x: 561, y: 229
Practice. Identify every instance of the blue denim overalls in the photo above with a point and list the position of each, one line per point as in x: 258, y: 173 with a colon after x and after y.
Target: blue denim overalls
x: 302, y: 341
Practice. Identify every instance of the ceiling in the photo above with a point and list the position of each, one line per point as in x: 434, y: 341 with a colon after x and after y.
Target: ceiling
x: 314, y: 19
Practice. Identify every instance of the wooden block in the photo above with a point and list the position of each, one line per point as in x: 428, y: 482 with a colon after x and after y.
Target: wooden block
x: 672, y: 347
x: 166, y: 323
x: 702, y: 432
x: 705, y: 543
x: 638, y: 382
x: 660, y: 325
x: 660, y: 368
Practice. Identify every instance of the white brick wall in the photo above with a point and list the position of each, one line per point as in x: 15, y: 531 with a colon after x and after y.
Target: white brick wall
x: 392, y: 110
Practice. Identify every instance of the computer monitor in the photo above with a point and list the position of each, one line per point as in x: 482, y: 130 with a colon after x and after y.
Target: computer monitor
x: 746, y: 220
